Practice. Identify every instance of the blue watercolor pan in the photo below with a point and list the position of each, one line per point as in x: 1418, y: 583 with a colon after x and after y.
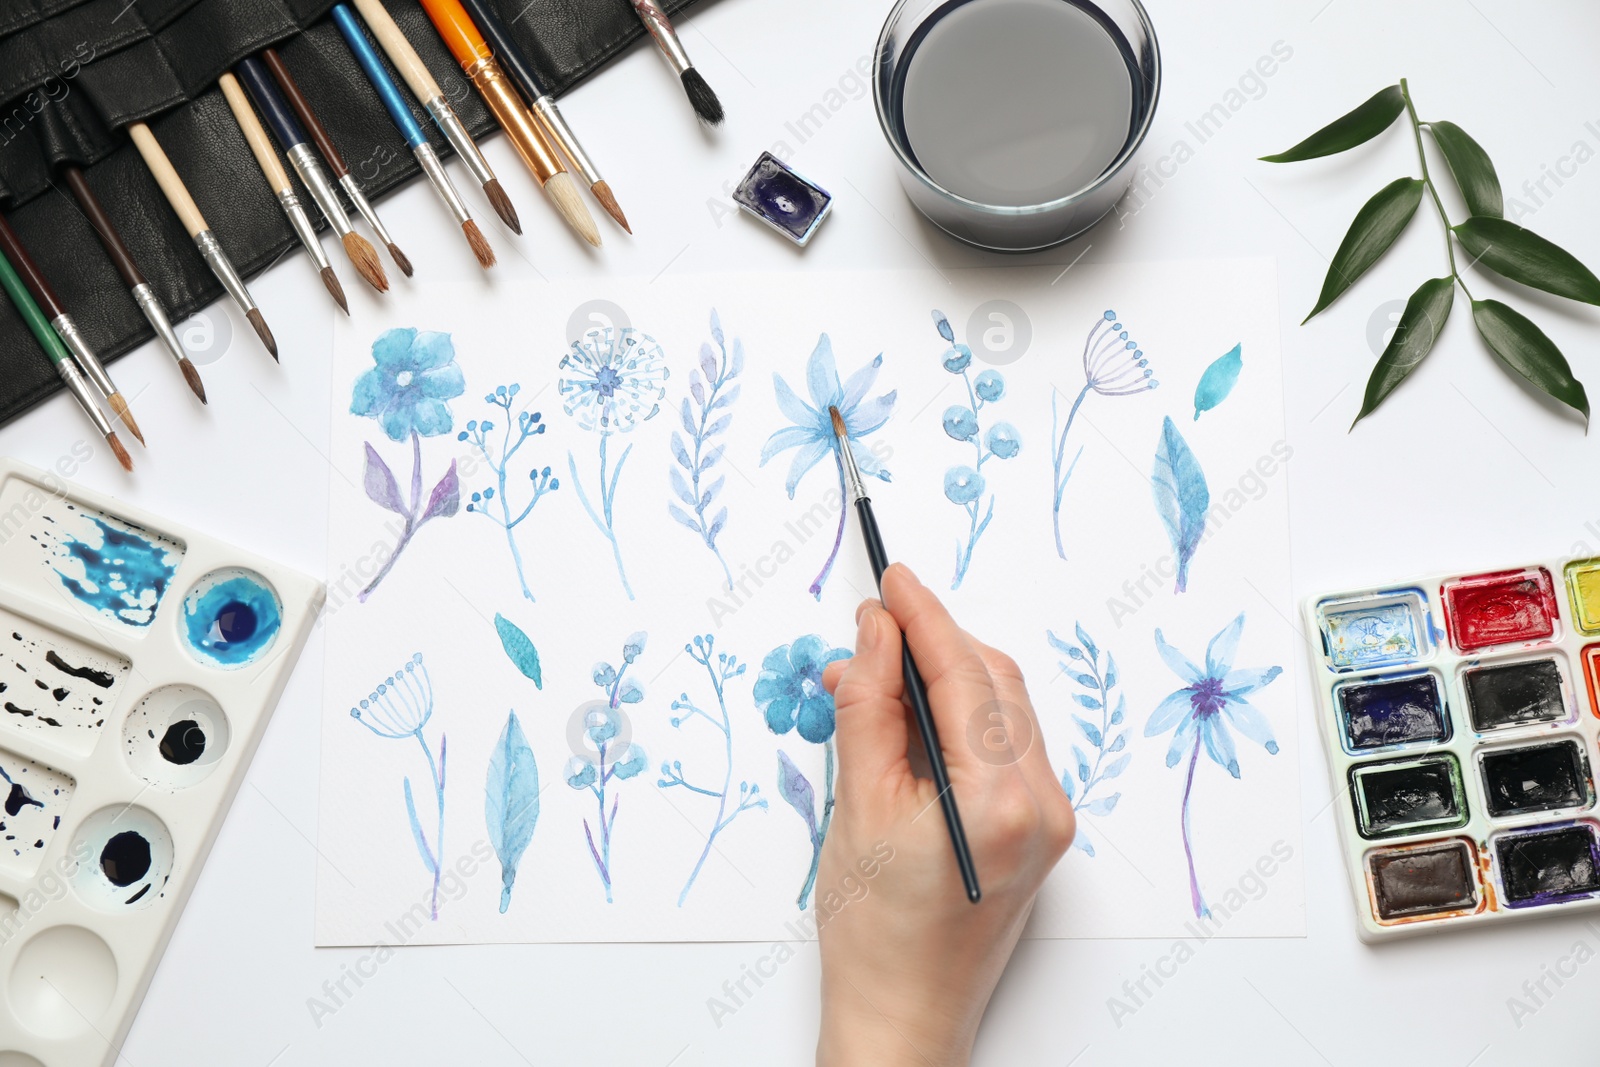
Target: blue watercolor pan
x: 790, y: 204
x: 1381, y: 629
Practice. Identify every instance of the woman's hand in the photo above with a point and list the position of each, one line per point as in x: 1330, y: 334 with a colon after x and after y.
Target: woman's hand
x: 908, y: 964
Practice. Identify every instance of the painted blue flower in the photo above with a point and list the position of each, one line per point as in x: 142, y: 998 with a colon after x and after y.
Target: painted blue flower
x: 990, y: 386
x: 613, y: 379
x: 630, y: 760
x: 957, y: 358
x: 963, y: 485
x: 1003, y: 440
x: 960, y: 422
x: 414, y: 373
x: 789, y: 688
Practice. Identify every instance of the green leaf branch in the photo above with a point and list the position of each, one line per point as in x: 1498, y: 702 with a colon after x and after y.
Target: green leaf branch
x: 1491, y: 241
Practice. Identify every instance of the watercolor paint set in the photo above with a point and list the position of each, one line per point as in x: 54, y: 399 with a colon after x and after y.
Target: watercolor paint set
x: 1461, y: 716
x: 139, y: 662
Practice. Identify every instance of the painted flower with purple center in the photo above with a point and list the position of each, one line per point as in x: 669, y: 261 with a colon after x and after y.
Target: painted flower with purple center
x: 1202, y: 713
x: 812, y: 432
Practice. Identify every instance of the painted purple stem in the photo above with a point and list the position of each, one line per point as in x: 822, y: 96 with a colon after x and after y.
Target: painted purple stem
x: 822, y: 830
x: 1200, y: 909
x: 838, y: 538
x: 417, y: 511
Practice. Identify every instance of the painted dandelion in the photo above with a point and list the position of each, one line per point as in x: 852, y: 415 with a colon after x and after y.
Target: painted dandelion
x: 1112, y: 366
x: 399, y: 707
x: 1104, y: 731
x: 1200, y: 715
x: 696, y: 455
x: 612, y: 381
x: 720, y: 671
x: 812, y: 432
x: 616, y: 758
x: 965, y: 485
x: 495, y: 502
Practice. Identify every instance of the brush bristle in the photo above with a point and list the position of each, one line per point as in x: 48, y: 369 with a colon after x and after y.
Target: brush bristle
x: 480, y: 244
x: 259, y: 321
x: 125, y: 416
x: 400, y: 260
x: 365, y: 260
x: 838, y: 423
x: 602, y: 193
x: 502, y: 205
x: 702, y: 99
x: 192, y: 376
x: 563, y: 192
x: 335, y: 290
x: 121, y: 453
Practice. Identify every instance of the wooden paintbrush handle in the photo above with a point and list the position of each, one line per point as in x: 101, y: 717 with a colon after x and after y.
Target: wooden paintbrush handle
x: 401, y: 54
x: 255, y: 133
x: 121, y: 258
x: 24, y: 265
x: 166, y: 176
x: 302, y: 108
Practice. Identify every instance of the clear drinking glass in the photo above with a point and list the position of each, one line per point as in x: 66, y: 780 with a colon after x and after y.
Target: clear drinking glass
x: 1006, y: 228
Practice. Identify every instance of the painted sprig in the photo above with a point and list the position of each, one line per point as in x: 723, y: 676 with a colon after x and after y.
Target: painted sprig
x: 1096, y: 674
x: 696, y: 451
x: 1491, y: 240
x: 494, y: 502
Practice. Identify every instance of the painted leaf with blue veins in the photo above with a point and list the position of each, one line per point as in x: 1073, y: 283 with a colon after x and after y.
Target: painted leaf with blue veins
x: 1083, y: 638
x: 1218, y: 380
x: 1090, y: 730
x: 519, y: 649
x: 1182, y: 497
x: 797, y: 792
x: 511, y: 802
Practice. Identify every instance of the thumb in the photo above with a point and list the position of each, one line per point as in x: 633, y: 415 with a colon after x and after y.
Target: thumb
x: 870, y: 720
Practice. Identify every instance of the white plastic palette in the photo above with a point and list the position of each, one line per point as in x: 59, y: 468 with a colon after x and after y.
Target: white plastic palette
x: 1461, y: 717
x: 139, y: 662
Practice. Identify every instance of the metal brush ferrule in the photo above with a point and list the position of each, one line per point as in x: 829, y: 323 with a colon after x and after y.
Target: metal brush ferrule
x: 295, y: 212
x: 660, y: 27
x: 315, y: 179
x: 73, y: 339
x: 429, y: 161
x: 156, y: 316
x: 444, y: 117
x: 515, y: 118
x: 852, y: 473
x: 359, y: 199
x: 561, y: 133
x: 86, y: 399
x: 222, y: 267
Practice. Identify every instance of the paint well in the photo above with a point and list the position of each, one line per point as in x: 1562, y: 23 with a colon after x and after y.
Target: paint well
x: 1408, y: 796
x: 1515, y: 694
x: 1546, y: 777
x: 231, y: 617
x: 175, y: 736
x: 1583, y: 591
x: 1509, y: 607
x: 129, y: 858
x: 1381, y: 629
x: 1429, y: 880
x: 1394, y: 710
x: 54, y: 685
x: 33, y: 799
x: 1548, y: 866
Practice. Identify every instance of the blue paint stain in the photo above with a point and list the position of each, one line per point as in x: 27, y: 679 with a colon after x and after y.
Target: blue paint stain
x: 124, y: 577
x: 232, y: 621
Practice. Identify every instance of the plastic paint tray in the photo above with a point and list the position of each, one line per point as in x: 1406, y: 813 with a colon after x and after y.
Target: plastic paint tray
x: 139, y: 662
x: 1461, y: 719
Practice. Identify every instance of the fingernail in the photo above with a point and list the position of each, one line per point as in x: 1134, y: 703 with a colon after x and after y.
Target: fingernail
x: 867, y: 631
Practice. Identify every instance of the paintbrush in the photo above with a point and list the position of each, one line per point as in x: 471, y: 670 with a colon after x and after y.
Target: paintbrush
x: 400, y: 114
x: 292, y: 139
x: 916, y: 690
x: 65, y: 366
x: 188, y: 213
x: 56, y: 313
x: 122, y: 259
x: 325, y: 145
x: 701, y: 98
x: 278, y: 179
x: 470, y: 50
x: 542, y: 104
x: 417, y: 75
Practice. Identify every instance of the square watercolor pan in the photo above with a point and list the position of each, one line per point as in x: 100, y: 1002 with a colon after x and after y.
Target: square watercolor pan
x: 139, y: 663
x: 1460, y: 715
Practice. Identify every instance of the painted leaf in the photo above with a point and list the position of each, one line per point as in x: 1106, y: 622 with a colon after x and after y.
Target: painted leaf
x: 379, y: 482
x: 942, y: 324
x: 797, y: 791
x: 680, y: 485
x: 1084, y: 639
x: 1069, y: 786
x: 520, y: 650
x: 1524, y: 348
x: 1082, y: 843
x: 1090, y: 730
x: 1083, y: 763
x: 1059, y: 645
x: 687, y: 415
x: 1345, y: 132
x: 1087, y: 701
x: 445, y: 500
x: 1111, y: 671
x: 1116, y: 766
x: 708, y: 363
x: 1524, y: 256
x: 716, y: 326
x: 1218, y: 380
x: 1118, y: 744
x: 697, y: 390
x: 511, y: 802
x: 1182, y: 498
x: 725, y: 398
x: 1471, y: 168
x: 1376, y: 226
x: 1102, y: 806
x: 1122, y: 709
x: 1085, y: 680
x: 1420, y: 323
x: 683, y: 517
x: 416, y: 830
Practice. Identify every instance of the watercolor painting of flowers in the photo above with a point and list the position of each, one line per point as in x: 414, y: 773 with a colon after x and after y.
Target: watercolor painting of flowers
x: 965, y: 485
x: 790, y: 694
x: 1113, y: 366
x: 397, y: 708
x: 812, y: 429
x: 414, y: 373
x: 713, y: 392
x: 724, y: 670
x: 612, y: 380
x: 615, y: 757
x: 494, y: 502
x: 1201, y: 714
x: 1097, y: 676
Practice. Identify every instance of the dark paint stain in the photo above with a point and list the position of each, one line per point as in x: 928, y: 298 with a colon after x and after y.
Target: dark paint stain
x: 101, y: 678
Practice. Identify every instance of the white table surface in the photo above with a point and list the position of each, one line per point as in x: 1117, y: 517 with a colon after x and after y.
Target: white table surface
x: 1461, y: 469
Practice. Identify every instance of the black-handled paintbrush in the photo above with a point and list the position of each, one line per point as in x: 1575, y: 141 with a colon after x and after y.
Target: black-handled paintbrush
x: 916, y: 691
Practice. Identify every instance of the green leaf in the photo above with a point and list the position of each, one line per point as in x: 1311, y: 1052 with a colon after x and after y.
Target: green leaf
x: 1474, y: 173
x: 1524, y: 348
x: 1347, y: 131
x: 1524, y: 256
x: 1419, y: 327
x: 1375, y: 228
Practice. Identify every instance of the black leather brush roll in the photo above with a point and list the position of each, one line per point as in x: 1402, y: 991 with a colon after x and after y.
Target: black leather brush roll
x: 73, y: 73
